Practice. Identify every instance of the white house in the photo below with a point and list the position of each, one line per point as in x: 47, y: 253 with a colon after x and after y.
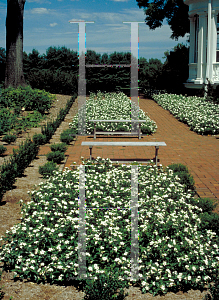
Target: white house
x: 204, y: 43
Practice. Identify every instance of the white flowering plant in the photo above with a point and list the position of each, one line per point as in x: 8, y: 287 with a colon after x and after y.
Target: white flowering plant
x: 111, y: 106
x: 200, y: 115
x: 174, y: 251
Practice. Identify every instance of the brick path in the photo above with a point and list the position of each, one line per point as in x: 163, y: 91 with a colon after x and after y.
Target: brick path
x: 199, y: 153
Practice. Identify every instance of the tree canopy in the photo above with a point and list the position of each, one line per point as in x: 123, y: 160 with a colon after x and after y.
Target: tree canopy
x: 174, y: 11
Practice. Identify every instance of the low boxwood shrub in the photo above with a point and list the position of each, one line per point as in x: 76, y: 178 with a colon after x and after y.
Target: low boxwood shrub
x: 2, y: 149
x: 66, y: 137
x: 17, y: 163
x: 206, y: 204
x: 210, y: 221
x: 55, y: 156
x: 48, y: 169
x: 62, y: 147
x: 185, y: 177
x: 39, y: 139
x: 213, y: 288
x: 105, y: 287
x: 9, y: 138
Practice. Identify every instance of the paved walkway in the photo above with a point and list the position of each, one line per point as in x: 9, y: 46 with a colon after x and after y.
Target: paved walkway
x: 199, y: 153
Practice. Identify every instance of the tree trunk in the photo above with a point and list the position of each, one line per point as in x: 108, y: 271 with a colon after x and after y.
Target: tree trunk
x: 14, y: 75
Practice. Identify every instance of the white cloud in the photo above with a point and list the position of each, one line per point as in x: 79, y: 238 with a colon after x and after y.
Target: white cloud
x: 53, y: 24
x: 39, y: 1
x: 40, y: 10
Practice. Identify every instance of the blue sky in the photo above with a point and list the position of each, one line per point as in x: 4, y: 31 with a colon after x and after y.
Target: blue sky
x: 46, y: 23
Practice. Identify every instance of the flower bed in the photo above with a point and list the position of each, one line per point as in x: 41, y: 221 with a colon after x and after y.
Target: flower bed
x: 111, y: 106
x: 200, y: 115
x: 173, y: 249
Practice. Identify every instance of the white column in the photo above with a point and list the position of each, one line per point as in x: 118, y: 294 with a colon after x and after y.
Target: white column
x: 213, y: 47
x: 192, y: 40
x: 200, y: 48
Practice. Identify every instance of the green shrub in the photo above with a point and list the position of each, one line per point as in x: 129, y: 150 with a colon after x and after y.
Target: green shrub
x: 214, y: 289
x: 48, y: 169
x: 185, y: 177
x: 62, y: 147
x: 105, y: 287
x: 39, y: 139
x: 56, y: 156
x: 48, y: 130
x: 7, y: 119
x: 2, y: 149
x: 31, y: 99
x: 65, y: 136
x: 9, y: 138
x: 17, y: 163
x: 207, y: 205
x: 210, y: 221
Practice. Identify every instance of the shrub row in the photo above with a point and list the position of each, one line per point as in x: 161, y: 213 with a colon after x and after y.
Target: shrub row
x: 49, y: 129
x: 54, y: 157
x: 28, y: 151
x: 16, y: 165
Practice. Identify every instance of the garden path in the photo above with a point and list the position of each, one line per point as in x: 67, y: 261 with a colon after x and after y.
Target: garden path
x: 199, y: 153
x: 182, y: 146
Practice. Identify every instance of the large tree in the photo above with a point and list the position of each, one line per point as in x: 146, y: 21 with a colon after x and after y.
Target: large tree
x: 14, y: 75
x: 174, y: 11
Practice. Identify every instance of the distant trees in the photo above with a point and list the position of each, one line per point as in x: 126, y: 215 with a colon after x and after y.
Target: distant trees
x: 150, y: 73
x: 57, y: 71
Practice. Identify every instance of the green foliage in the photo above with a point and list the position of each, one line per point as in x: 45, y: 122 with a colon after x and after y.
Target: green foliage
x: 175, y: 12
x: 62, y: 147
x: 17, y: 163
x: 7, y: 119
x: 39, y: 139
x: 56, y: 156
x: 206, y: 204
x: 2, y: 64
x: 49, y: 129
x: 53, y: 81
x: 175, y: 70
x: 31, y: 99
x: 9, y: 138
x: 66, y: 137
x: 48, y: 169
x: 214, y: 288
x: 185, y: 177
x: 210, y: 221
x: 2, y: 149
x: 105, y: 288
x: 150, y: 73
x: 29, y: 121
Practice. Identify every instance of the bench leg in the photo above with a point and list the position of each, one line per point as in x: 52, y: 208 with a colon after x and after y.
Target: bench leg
x: 94, y: 130
x: 156, y: 154
x: 90, y: 147
x: 139, y: 131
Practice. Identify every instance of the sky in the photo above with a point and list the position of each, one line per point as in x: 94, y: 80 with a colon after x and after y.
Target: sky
x: 46, y: 23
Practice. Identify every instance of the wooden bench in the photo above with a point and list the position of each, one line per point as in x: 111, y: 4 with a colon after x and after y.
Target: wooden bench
x: 155, y: 144
x: 118, y: 132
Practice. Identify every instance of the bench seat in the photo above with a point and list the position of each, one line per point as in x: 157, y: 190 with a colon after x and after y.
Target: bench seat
x: 118, y: 132
x: 124, y: 144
